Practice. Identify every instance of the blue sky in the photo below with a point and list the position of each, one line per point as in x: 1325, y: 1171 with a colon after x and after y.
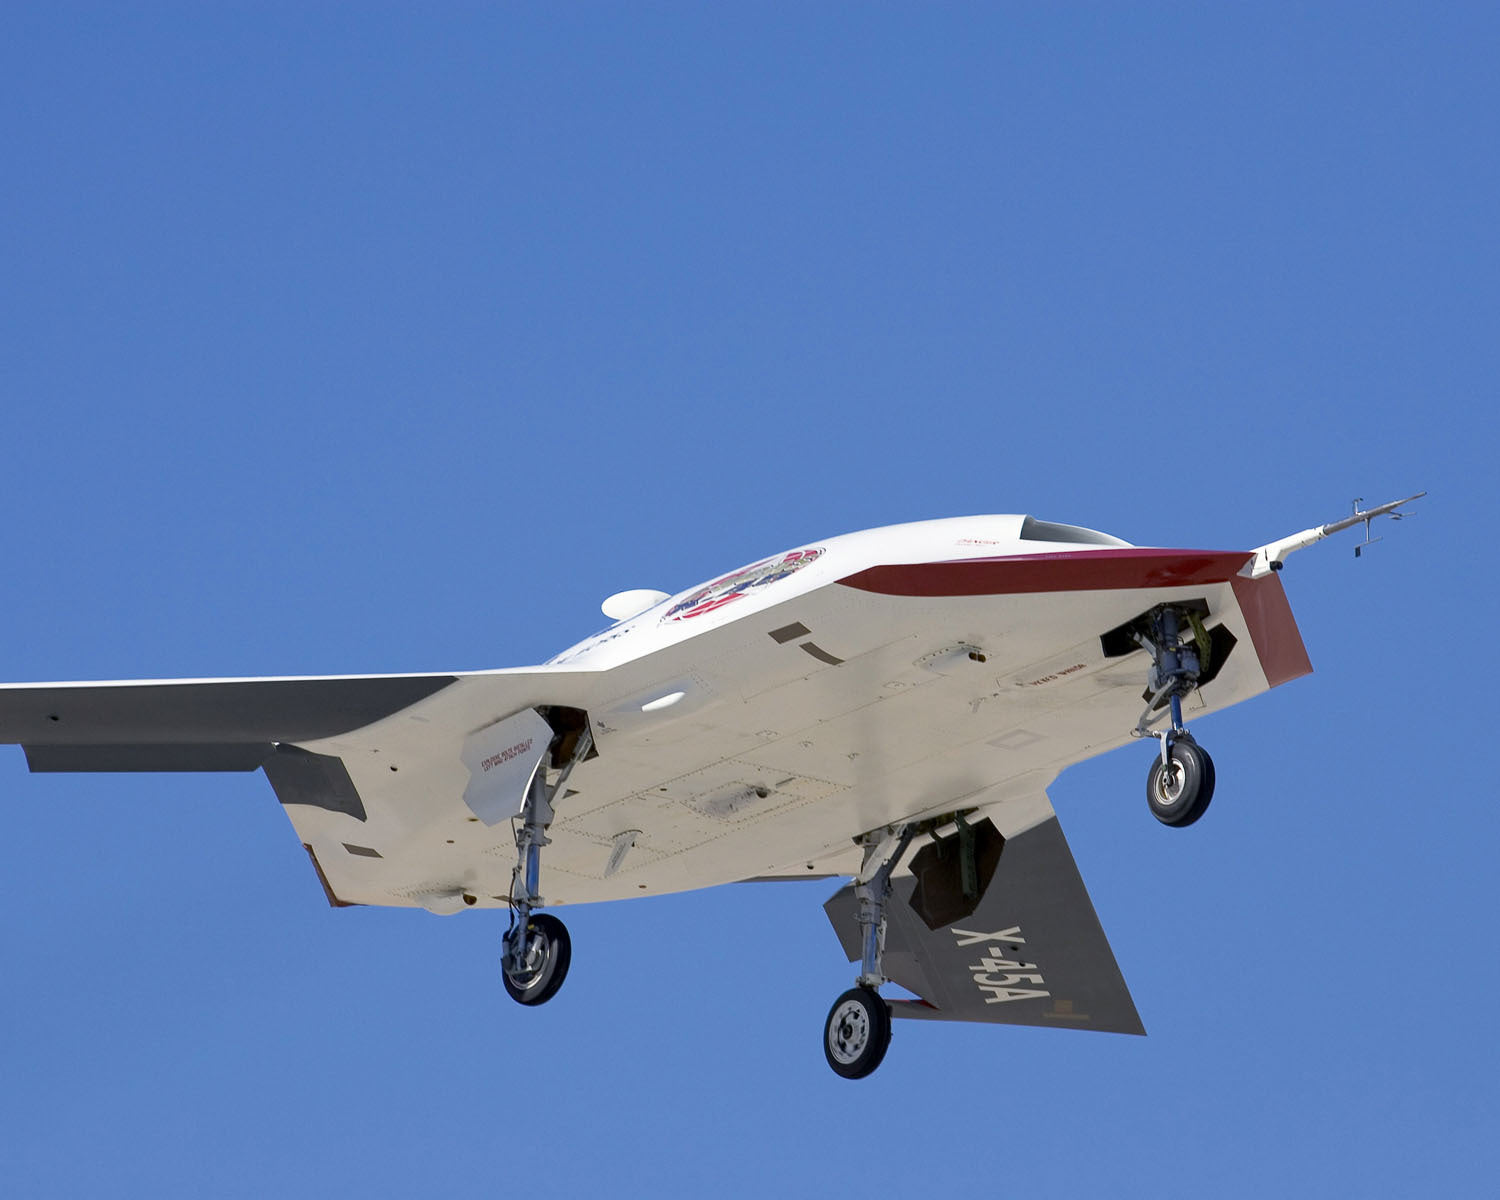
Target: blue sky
x: 346, y: 338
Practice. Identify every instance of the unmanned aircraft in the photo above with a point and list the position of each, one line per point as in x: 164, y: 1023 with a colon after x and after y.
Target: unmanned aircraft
x: 822, y: 713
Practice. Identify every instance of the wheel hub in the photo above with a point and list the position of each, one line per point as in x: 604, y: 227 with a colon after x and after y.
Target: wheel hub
x: 1169, y: 783
x: 849, y: 1032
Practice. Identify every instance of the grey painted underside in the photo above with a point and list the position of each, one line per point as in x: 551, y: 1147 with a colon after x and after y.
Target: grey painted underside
x: 190, y: 756
x: 1037, y: 888
x: 321, y: 780
x: 228, y: 725
x: 297, y: 776
x: 221, y: 714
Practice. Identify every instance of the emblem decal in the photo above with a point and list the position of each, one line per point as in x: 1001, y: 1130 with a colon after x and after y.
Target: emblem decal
x: 741, y: 583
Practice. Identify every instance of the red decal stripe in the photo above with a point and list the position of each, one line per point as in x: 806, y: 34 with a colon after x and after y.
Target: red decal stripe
x: 1076, y: 571
x: 1273, y: 629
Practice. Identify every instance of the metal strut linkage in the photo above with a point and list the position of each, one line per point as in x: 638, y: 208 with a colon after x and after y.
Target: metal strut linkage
x: 536, y: 817
x: 872, y: 888
x: 1176, y: 664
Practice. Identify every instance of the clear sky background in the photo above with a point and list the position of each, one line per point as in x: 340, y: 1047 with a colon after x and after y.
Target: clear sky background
x: 362, y: 337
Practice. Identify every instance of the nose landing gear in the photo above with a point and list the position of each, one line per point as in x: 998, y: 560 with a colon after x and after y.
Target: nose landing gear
x: 1180, y: 784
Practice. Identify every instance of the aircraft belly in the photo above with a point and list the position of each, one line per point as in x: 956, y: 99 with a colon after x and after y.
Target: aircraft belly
x: 772, y: 759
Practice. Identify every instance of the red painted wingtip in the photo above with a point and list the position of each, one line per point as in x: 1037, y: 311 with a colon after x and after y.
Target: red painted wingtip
x: 1273, y: 629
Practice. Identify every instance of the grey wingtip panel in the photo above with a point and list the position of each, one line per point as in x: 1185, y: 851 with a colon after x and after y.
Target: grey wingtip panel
x: 209, y: 711
x: 320, y: 780
x: 1033, y: 952
x: 188, y: 756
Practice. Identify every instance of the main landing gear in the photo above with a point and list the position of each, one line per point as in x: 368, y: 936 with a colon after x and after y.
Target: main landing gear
x: 536, y: 951
x: 1180, y: 783
x: 858, y: 1030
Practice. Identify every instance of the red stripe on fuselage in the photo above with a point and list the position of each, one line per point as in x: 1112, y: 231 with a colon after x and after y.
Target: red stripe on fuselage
x: 1268, y: 616
x: 1076, y: 571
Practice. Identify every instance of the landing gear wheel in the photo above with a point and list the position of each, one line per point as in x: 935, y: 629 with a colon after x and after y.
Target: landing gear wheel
x: 857, y: 1033
x: 1179, y: 791
x: 537, y: 968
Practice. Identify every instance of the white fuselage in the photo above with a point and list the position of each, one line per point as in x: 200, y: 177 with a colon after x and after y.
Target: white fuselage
x: 755, y: 724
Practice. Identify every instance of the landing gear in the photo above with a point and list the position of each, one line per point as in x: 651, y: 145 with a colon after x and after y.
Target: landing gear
x: 857, y: 1033
x: 1180, y: 783
x: 858, y: 1030
x: 1179, y: 788
x: 536, y: 949
x: 536, y: 959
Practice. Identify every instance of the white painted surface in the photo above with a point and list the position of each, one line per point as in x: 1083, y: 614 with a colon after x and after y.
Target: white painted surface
x: 772, y: 761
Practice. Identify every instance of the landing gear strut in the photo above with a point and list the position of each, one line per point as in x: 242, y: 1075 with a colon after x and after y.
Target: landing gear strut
x: 858, y: 1030
x: 536, y: 950
x: 1180, y: 783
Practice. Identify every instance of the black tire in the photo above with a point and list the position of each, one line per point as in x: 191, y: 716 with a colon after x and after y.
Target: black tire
x: 857, y: 1033
x: 546, y: 955
x: 1179, y: 793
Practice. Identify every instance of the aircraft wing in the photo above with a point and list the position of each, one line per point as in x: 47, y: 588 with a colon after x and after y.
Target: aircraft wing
x: 813, y: 714
x: 1031, y: 953
x: 753, y: 740
x: 194, y: 725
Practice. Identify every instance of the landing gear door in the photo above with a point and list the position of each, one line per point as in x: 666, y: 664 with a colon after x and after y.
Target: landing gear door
x: 502, y: 758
